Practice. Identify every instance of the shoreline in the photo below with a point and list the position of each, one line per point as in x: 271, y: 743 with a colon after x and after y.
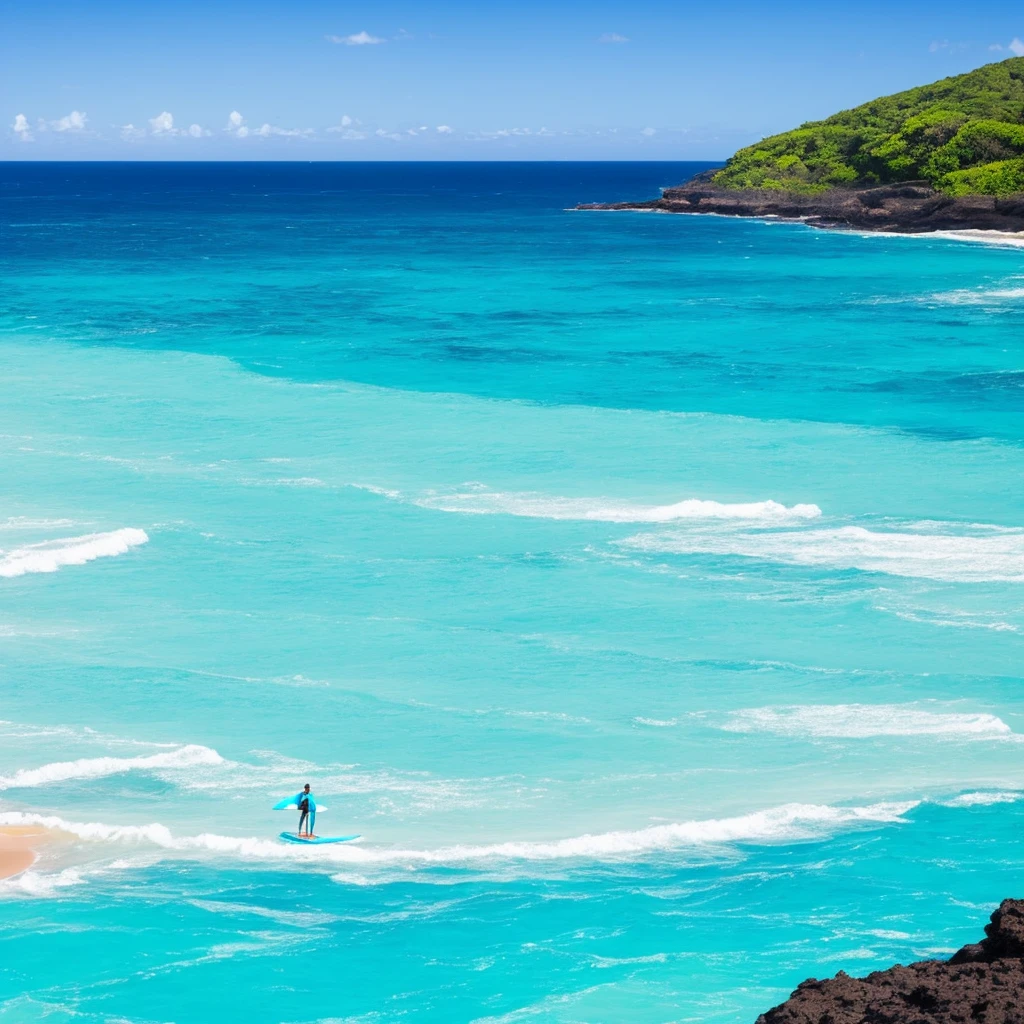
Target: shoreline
x: 905, y: 208
x: 982, y: 236
x: 19, y: 847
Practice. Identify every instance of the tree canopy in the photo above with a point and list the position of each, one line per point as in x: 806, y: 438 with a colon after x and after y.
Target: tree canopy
x: 964, y: 135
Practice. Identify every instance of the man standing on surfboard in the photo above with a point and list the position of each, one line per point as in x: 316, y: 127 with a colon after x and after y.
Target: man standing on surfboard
x: 307, y: 810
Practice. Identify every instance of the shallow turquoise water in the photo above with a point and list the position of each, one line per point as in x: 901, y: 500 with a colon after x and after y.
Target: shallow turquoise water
x: 646, y: 590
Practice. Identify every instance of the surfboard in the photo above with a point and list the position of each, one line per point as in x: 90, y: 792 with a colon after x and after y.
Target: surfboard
x: 289, y: 804
x: 292, y: 837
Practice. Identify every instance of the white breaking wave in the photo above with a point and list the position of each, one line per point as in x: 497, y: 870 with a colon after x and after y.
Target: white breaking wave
x: 100, y: 767
x: 1014, y: 239
x: 778, y: 824
x: 40, y: 884
x: 995, y: 555
x: 977, y: 296
x: 861, y: 721
x: 983, y: 799
x: 198, y: 769
x: 538, y: 506
x: 478, y: 500
x: 51, y: 555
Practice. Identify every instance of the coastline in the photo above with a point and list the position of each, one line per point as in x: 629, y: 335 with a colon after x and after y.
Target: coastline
x: 982, y: 236
x: 911, y: 208
x: 20, y: 846
x: 983, y: 981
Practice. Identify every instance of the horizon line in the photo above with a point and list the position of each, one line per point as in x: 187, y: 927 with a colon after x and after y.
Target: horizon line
x: 19, y: 163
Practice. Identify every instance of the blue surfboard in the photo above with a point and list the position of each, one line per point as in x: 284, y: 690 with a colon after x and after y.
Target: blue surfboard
x: 288, y: 804
x: 292, y: 837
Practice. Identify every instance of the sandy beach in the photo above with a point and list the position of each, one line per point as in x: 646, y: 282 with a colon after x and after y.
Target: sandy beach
x: 19, y: 847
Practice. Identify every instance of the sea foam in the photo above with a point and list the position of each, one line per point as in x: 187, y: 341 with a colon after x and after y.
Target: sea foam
x: 100, y: 767
x: 983, y: 798
x: 51, y: 555
x: 861, y: 721
x: 993, y: 555
x: 789, y: 822
x: 198, y: 769
x: 978, y: 296
x: 481, y: 501
x: 40, y: 884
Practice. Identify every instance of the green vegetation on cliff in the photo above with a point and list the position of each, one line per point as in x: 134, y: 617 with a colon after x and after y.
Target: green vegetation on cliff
x: 964, y: 135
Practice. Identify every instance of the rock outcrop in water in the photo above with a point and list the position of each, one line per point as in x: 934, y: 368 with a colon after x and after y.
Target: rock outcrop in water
x: 981, y: 984
x: 907, y: 206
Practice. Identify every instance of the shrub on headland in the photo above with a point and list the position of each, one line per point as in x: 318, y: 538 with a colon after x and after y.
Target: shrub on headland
x: 1003, y: 178
x: 964, y: 135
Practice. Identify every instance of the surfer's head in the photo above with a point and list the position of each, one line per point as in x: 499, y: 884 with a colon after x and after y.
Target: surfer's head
x: 305, y: 788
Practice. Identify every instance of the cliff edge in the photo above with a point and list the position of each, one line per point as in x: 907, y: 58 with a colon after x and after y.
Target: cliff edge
x: 905, y: 207
x: 981, y: 984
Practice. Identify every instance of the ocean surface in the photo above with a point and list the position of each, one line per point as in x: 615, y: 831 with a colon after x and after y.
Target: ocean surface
x: 648, y: 592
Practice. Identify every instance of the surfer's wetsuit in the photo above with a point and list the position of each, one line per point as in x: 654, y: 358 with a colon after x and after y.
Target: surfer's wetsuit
x: 307, y: 810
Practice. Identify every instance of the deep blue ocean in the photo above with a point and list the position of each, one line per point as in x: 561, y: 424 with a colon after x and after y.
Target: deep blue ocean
x: 648, y: 592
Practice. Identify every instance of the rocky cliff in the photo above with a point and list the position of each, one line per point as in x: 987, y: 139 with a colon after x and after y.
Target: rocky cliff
x: 908, y: 206
x: 981, y: 984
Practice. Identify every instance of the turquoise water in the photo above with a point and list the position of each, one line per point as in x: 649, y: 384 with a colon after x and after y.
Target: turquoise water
x: 646, y: 590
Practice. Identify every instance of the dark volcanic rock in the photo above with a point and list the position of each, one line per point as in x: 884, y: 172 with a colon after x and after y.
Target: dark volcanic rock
x: 909, y: 206
x: 981, y: 984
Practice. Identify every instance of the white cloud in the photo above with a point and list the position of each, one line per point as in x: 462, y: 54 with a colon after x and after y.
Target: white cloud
x: 73, y: 122
x: 162, y: 124
x: 507, y: 133
x: 649, y: 132
x: 21, y: 128
x: 129, y: 132
x: 357, y: 39
x: 236, y: 125
x: 346, y: 131
x: 444, y: 129
x: 380, y: 133
x: 266, y: 130
x: 612, y: 37
x: 1016, y: 47
x: 936, y: 45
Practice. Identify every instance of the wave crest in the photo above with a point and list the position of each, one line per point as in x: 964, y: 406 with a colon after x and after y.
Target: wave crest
x: 100, y: 767
x: 996, y: 555
x: 482, y: 501
x: 861, y: 721
x: 51, y: 555
x: 778, y: 824
x: 40, y: 884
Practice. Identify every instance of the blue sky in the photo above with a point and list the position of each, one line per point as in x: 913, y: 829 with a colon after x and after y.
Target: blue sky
x: 646, y: 79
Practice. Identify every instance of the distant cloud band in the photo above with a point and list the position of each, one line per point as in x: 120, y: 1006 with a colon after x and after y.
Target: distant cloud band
x: 356, y: 39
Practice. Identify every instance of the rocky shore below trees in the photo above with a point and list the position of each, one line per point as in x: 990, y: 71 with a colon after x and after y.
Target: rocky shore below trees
x: 906, y: 207
x: 981, y: 984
